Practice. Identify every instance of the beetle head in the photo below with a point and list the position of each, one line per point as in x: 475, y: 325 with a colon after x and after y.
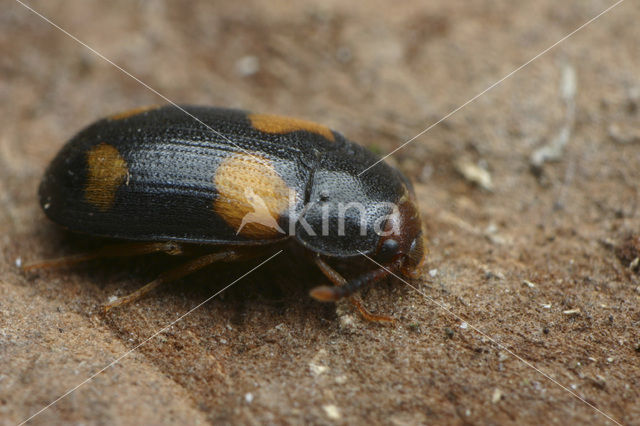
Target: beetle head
x: 403, y: 250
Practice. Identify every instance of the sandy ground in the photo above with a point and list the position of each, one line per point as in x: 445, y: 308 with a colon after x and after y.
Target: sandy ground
x: 533, y: 255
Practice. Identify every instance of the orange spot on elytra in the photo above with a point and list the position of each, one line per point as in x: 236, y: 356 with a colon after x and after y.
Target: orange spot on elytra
x: 131, y: 112
x: 251, y: 195
x: 107, y: 170
x: 278, y: 124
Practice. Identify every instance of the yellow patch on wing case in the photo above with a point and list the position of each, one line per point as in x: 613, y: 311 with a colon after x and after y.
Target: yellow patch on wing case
x: 251, y: 196
x: 269, y: 123
x: 107, y: 170
x: 132, y: 112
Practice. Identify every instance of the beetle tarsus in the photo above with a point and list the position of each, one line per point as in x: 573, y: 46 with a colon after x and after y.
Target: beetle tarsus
x: 364, y: 312
x: 136, y: 295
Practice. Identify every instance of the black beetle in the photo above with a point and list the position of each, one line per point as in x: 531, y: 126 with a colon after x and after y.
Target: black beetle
x: 167, y: 182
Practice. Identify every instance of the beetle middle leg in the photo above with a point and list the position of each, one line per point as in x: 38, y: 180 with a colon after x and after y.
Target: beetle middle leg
x: 345, y: 288
x: 181, y: 271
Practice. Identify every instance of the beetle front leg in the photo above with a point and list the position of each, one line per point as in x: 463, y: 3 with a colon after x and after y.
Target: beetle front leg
x: 344, y: 288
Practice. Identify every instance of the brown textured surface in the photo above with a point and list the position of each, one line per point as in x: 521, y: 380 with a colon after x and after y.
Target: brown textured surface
x: 379, y: 74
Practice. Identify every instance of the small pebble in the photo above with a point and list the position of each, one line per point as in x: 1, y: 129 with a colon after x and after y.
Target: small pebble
x: 316, y: 369
x: 494, y: 274
x: 247, y: 65
x: 464, y: 326
x: 248, y: 397
x: 18, y: 262
x: 474, y: 173
x: 347, y: 322
x: 332, y: 411
x: 341, y: 380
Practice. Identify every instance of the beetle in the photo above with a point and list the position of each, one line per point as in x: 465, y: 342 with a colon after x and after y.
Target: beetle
x: 180, y: 179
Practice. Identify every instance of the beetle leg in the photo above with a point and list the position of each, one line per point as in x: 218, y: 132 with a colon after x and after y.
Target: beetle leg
x: 343, y: 289
x: 117, y: 250
x: 333, y: 275
x: 179, y: 272
x: 357, y: 303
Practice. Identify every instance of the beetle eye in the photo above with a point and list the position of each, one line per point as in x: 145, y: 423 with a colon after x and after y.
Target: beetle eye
x: 388, y: 250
